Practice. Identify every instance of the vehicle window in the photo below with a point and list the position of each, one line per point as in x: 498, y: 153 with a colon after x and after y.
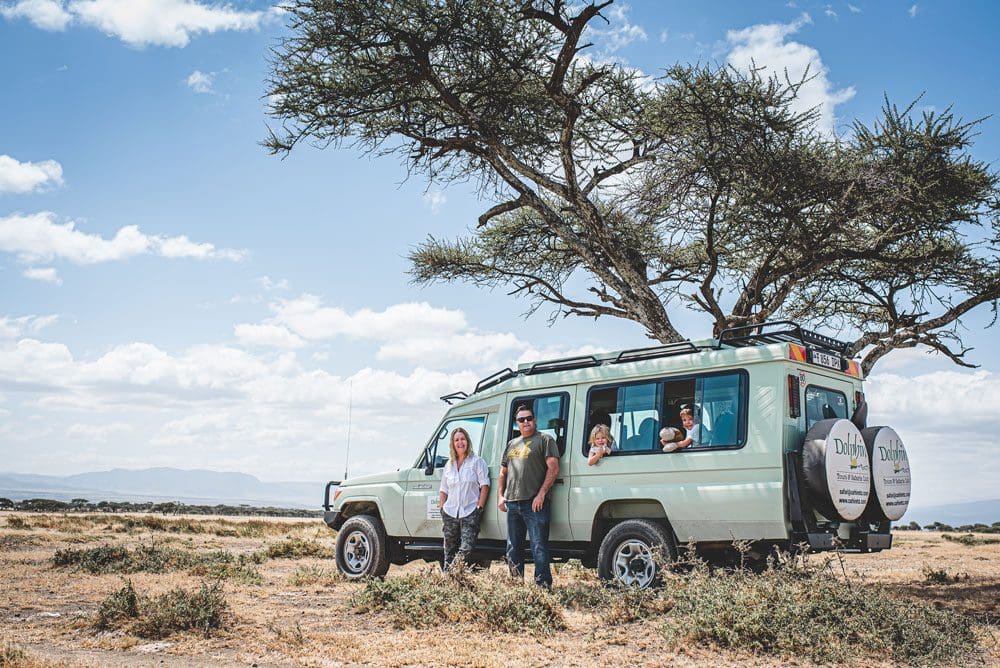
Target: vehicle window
x: 438, y: 449
x: 636, y: 412
x: 550, y: 416
x: 823, y: 403
x: 631, y: 411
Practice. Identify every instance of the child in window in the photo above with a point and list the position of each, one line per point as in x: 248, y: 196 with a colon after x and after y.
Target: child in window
x: 601, y: 443
x: 692, y: 428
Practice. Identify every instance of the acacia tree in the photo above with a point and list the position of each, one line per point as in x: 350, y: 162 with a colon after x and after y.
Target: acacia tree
x: 616, y: 195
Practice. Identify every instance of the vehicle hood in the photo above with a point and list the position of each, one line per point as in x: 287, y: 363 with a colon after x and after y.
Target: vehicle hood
x: 373, y: 479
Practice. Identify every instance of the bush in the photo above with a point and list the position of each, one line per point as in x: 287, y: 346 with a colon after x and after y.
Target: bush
x: 941, y: 576
x: 313, y: 575
x: 297, y: 548
x: 618, y: 604
x: 17, y: 522
x: 803, y: 612
x: 176, y: 610
x: 970, y: 540
x: 154, y: 559
x: 487, y: 602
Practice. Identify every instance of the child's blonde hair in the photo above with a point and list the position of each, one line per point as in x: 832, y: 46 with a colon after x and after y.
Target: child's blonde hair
x: 686, y: 412
x: 601, y: 429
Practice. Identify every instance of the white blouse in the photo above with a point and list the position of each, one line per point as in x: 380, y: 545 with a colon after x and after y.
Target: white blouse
x: 462, y: 485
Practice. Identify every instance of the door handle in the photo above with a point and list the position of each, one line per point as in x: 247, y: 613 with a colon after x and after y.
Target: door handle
x: 560, y: 481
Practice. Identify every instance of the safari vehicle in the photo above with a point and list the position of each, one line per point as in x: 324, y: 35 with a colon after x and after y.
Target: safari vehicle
x: 785, y: 458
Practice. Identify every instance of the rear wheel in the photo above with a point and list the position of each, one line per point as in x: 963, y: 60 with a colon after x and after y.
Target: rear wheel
x: 362, y: 548
x: 633, y: 551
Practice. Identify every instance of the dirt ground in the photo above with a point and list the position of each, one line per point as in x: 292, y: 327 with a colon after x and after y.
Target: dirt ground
x: 301, y: 615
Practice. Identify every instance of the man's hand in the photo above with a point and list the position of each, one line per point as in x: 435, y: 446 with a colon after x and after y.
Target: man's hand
x: 502, y: 504
x: 538, y: 502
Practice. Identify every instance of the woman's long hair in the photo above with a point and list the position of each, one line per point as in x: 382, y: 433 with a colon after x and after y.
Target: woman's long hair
x: 451, y: 443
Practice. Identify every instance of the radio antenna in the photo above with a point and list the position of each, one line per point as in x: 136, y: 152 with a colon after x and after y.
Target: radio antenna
x: 350, y: 402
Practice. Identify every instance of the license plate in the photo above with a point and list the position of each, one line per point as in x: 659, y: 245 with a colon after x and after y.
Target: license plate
x: 825, y: 359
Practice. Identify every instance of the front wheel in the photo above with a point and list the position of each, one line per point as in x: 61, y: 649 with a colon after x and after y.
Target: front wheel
x: 362, y: 548
x: 628, y: 553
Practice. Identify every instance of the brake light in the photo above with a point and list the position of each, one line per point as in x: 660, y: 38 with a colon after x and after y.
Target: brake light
x: 794, y: 402
x: 853, y: 369
x: 796, y: 353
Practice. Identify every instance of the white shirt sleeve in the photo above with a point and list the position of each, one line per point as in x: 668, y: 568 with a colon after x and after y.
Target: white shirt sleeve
x: 483, y: 472
x: 444, y: 480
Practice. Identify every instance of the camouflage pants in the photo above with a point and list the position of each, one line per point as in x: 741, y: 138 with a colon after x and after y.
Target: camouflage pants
x: 460, y: 535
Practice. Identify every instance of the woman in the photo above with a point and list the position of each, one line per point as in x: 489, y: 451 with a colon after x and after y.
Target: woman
x: 465, y: 484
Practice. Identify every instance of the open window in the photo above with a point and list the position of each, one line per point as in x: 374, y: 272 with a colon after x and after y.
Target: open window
x: 635, y: 412
x: 551, y: 412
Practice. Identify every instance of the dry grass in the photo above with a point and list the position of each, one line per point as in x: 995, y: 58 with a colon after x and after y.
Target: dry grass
x: 300, y: 612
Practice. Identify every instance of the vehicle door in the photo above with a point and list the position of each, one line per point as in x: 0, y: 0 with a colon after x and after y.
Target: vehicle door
x: 421, y: 513
x: 553, y: 415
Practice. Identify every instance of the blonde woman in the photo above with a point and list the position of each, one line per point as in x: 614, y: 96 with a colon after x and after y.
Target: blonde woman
x: 465, y: 486
x: 601, y: 443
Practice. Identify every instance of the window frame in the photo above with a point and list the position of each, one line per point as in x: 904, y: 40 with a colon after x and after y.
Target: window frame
x: 741, y: 425
x: 805, y: 400
x: 563, y: 415
x: 422, y: 460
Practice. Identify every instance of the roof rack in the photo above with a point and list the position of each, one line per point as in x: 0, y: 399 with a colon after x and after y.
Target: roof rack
x: 668, y: 350
x: 753, y: 335
x: 496, y: 378
x: 581, y: 362
x: 454, y: 396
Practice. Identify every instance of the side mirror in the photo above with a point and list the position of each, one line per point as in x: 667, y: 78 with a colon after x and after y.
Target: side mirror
x: 429, y: 469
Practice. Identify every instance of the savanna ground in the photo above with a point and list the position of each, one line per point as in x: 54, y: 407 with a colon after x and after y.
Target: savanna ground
x: 241, y: 591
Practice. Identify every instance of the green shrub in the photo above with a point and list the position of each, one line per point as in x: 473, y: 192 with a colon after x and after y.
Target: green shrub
x: 620, y: 604
x: 970, y: 540
x: 297, y: 548
x: 179, y: 609
x: 801, y: 612
x: 155, y: 559
x: 941, y: 576
x: 315, y: 575
x: 487, y: 602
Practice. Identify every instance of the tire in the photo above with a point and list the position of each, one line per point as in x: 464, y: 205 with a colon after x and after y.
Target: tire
x: 626, y: 555
x: 836, y: 469
x: 362, y: 548
x: 890, y: 490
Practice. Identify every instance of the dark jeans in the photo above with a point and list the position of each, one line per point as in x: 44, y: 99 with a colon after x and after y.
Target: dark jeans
x: 521, y: 520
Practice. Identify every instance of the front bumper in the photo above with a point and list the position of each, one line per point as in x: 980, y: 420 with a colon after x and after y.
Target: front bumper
x: 333, y: 519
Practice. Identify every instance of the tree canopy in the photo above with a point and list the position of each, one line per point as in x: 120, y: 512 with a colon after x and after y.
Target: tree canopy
x: 612, y: 193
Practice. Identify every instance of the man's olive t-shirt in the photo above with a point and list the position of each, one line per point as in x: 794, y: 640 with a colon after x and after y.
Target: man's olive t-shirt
x: 525, y: 462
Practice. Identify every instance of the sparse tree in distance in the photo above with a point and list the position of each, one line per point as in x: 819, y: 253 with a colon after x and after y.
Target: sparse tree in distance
x: 704, y: 188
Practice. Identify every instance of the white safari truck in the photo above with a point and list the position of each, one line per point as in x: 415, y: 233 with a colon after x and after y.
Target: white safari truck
x: 785, y: 458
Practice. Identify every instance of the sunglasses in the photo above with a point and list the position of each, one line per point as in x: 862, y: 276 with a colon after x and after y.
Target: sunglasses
x: 526, y: 419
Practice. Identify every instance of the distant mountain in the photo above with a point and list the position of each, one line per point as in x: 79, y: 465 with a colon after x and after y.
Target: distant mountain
x: 955, y: 514
x: 164, y: 484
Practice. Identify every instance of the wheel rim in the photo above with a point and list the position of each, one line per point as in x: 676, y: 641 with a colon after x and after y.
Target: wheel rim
x: 634, y: 564
x: 357, y: 552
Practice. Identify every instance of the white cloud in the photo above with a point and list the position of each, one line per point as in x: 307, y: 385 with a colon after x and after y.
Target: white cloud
x: 435, y: 199
x: 765, y: 45
x: 25, y: 177
x: 912, y: 11
x: 310, y: 319
x: 267, y: 283
x: 830, y: 13
x: 139, y: 23
x: 275, y: 336
x: 44, y: 14
x: 46, y: 274
x: 201, y: 82
x: 853, y: 9
x: 619, y: 33
x: 38, y: 237
x: 97, y: 432
x: 12, y: 328
x: 664, y: 36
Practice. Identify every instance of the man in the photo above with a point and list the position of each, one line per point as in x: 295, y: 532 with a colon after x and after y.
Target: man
x: 528, y: 470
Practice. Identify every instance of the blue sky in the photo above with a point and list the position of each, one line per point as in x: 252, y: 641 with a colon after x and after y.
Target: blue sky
x: 172, y: 295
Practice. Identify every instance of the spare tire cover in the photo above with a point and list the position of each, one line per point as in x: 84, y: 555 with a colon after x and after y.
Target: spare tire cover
x: 890, y: 493
x: 836, y: 469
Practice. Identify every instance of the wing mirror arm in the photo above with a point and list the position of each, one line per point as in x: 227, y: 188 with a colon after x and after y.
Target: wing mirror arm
x: 429, y: 468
